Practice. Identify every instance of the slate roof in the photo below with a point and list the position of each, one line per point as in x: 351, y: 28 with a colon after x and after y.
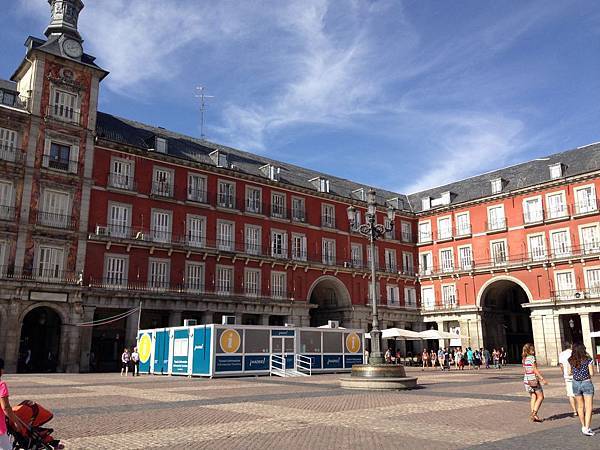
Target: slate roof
x: 142, y: 136
x: 576, y: 161
x: 6, y: 85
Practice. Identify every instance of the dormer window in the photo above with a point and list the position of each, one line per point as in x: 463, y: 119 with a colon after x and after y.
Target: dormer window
x: 395, y: 202
x: 497, y: 185
x: 270, y: 171
x: 359, y: 194
x: 445, y: 198
x: 161, y: 145
x: 556, y: 171
x: 321, y: 184
x: 219, y: 158
x: 426, y: 203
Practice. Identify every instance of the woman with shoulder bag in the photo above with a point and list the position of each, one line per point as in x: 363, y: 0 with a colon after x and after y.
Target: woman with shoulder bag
x: 533, y: 380
x: 582, y: 369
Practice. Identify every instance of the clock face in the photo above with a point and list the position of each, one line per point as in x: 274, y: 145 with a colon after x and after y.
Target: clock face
x: 72, y: 48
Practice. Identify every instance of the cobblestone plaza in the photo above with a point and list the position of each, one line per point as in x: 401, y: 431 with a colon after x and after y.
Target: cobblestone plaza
x: 470, y: 409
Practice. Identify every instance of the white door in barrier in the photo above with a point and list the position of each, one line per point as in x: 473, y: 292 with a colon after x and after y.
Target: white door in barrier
x: 284, y: 346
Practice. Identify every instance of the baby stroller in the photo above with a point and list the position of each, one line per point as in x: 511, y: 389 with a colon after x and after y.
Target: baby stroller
x: 31, y: 434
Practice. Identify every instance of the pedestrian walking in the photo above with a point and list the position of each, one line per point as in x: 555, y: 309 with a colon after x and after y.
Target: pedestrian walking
x: 135, y: 362
x: 366, y: 356
x: 533, y: 380
x: 388, y: 356
x: 458, y: 357
x: 125, y: 358
x: 582, y: 370
x: 440, y: 358
x: 486, y: 357
x: 503, y: 356
x: 496, y: 358
x: 425, y: 359
x: 563, y: 361
x: 6, y: 411
x: 433, y: 358
x: 470, y: 356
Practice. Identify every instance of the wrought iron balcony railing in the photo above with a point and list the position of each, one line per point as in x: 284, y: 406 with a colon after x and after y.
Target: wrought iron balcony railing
x: 119, y: 181
x: 11, y: 154
x: 54, y: 220
x: 63, y: 165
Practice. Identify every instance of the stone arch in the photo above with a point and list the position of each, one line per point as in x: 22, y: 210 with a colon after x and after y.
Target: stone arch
x: 504, y: 321
x: 491, y: 281
x: 43, y: 342
x: 332, y: 300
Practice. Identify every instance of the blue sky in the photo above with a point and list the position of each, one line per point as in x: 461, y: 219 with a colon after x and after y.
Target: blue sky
x: 403, y: 95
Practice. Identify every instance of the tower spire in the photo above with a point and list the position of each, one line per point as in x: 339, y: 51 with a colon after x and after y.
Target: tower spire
x: 64, y: 18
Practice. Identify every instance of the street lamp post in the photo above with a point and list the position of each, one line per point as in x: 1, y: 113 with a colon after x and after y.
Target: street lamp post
x: 373, y: 231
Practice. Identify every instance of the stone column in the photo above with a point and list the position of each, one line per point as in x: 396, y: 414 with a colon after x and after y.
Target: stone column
x: 238, y: 318
x: 546, y: 338
x: 440, y: 327
x: 264, y: 319
x: 13, y: 338
x: 131, y: 330
x: 586, y: 328
x: 86, y: 339
x: 175, y: 319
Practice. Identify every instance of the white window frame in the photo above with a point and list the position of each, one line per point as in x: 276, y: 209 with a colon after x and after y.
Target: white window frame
x: 62, y: 111
x: 278, y: 210
x: 568, y: 247
x: 224, y: 285
x: 593, y: 288
x: 537, y: 254
x: 54, y: 273
x: 226, y: 199
x: 121, y: 180
x: 408, y: 263
x: 391, y: 260
x: 445, y: 233
x: 299, y: 253
x: 162, y: 233
x: 253, y: 239
x: 198, y: 281
x: 194, y: 192
x: 327, y: 215
x: 122, y: 228
x: 562, y: 212
x: 446, y: 265
x: 278, y: 288
x: 328, y: 250
x: 506, y: 252
x: 589, y: 206
x: 253, y: 204
x: 114, y: 279
x: 192, y: 238
x: 425, y: 236
x: 393, y: 299
x: 462, y: 230
x: 589, y: 247
x: 449, y: 297
x: 410, y: 297
x: 535, y: 216
x: 299, y: 215
x: 277, y: 252
x: 163, y: 186
x: 9, y: 144
x: 406, y: 231
x: 565, y: 292
x: 60, y: 217
x: 7, y: 199
x: 225, y: 243
x: 252, y: 281
x: 159, y: 284
x: 465, y: 263
x: 428, y: 270
x: 356, y: 254
x: 428, y: 302
x: 498, y: 223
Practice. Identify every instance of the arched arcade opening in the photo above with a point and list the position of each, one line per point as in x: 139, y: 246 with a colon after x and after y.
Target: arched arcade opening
x: 505, y: 323
x: 39, y: 349
x: 331, y: 299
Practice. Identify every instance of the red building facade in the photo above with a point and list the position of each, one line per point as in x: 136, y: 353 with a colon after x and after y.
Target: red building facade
x: 100, y: 214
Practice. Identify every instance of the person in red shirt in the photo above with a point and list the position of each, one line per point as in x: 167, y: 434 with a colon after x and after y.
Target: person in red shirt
x: 5, y: 411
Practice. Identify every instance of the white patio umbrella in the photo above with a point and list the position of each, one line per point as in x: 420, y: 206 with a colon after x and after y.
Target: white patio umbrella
x: 398, y: 333
x: 595, y: 334
x: 436, y: 334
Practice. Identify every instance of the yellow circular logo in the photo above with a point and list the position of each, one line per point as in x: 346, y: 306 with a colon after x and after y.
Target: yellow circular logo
x: 145, y: 348
x: 353, y: 342
x: 230, y: 341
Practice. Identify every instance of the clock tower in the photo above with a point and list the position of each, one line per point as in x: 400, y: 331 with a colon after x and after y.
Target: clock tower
x: 63, y: 26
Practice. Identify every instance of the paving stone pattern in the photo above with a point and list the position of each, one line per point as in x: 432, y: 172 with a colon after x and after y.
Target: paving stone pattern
x: 466, y: 409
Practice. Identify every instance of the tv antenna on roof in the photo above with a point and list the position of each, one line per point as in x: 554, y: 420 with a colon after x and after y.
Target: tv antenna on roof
x: 201, y: 94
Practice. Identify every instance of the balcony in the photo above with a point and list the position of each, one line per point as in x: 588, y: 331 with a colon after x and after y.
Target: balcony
x: 425, y: 237
x: 226, y: 201
x: 7, y: 212
x: 444, y: 235
x: 279, y: 212
x: 440, y: 307
x: 254, y: 206
x: 64, y: 113
x: 406, y: 237
x: 55, y: 220
x: 197, y: 195
x: 533, y: 217
x: 592, y: 206
x: 559, y: 212
x: 328, y: 221
x: 575, y: 294
x: 497, y: 225
x: 299, y: 215
x: 119, y: 181
x: 59, y: 164
x: 162, y: 189
x: 462, y: 231
x: 40, y: 275
x: 11, y: 154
